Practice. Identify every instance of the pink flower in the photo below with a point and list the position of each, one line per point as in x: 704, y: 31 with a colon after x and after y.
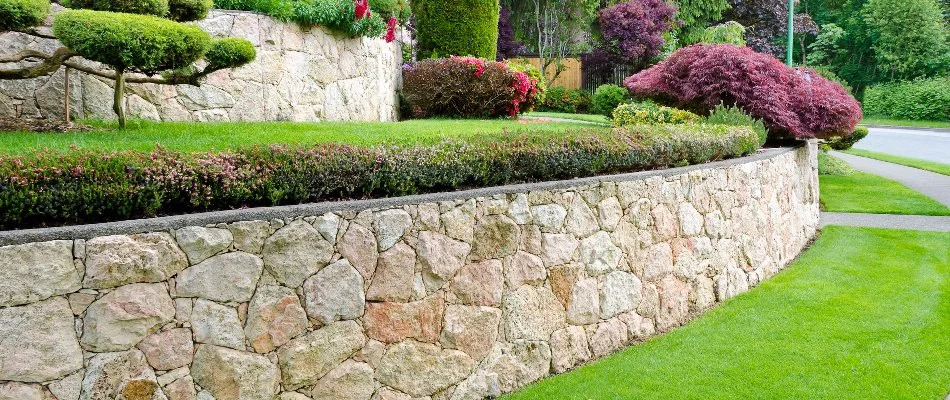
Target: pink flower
x: 362, y: 9
x: 391, y: 30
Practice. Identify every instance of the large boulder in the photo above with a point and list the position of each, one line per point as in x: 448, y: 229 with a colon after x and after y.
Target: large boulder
x: 38, y: 342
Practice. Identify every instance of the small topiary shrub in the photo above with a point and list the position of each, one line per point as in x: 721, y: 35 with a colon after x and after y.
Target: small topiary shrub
x: 467, y: 87
x: 563, y: 100
x: 188, y: 10
x: 729, y: 115
x: 131, y: 42
x: 85, y: 186
x: 230, y: 53
x: 647, y: 114
x: 607, y: 98
x: 157, y: 8
x: 922, y: 99
x: 456, y: 27
x: 791, y: 102
x: 846, y: 142
x: 22, y: 14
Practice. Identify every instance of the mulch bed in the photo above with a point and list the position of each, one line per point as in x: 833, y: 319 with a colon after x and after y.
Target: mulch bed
x: 40, y: 125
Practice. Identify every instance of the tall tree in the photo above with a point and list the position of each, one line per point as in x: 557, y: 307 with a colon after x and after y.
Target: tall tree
x: 909, y: 37
x: 553, y: 29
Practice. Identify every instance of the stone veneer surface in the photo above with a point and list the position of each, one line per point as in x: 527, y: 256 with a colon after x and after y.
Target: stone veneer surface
x: 299, y: 75
x: 456, y: 299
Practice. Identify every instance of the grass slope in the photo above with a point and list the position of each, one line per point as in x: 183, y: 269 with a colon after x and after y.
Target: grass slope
x: 910, y: 162
x: 904, y: 122
x: 190, y: 136
x: 863, y: 314
x: 861, y: 192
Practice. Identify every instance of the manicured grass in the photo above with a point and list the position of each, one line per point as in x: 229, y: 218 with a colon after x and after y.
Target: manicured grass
x: 188, y: 136
x: 866, y: 193
x: 863, y: 314
x: 910, y: 162
x: 905, y: 122
x: 580, y: 117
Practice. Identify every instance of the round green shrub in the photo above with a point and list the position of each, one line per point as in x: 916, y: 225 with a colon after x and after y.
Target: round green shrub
x: 22, y: 14
x: 131, y: 42
x: 230, y: 53
x: 921, y: 99
x: 648, y: 114
x: 735, y: 116
x: 456, y: 27
x: 607, y: 98
x: 188, y: 10
x: 149, y: 7
x: 846, y: 142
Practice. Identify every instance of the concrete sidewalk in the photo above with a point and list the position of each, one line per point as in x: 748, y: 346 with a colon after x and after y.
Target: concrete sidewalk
x: 890, y: 221
x: 930, y: 184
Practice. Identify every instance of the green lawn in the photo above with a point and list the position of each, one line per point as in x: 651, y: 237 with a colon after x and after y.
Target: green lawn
x: 860, y: 192
x: 863, y: 314
x: 189, y: 136
x: 910, y: 162
x: 905, y: 122
x: 580, y: 117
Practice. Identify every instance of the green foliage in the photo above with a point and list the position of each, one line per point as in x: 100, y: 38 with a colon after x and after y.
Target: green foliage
x: 563, y: 100
x: 149, y: 7
x: 731, y: 115
x: 921, y: 99
x: 607, y: 98
x: 392, y: 8
x: 188, y: 10
x: 22, y: 14
x: 457, y: 27
x: 909, y: 37
x: 630, y: 114
x: 730, y: 32
x: 82, y: 186
x: 279, y: 9
x: 826, y: 73
x: 336, y: 15
x: 845, y: 142
x: 533, y: 72
x: 696, y: 15
x: 828, y: 44
x: 230, y: 53
x: 830, y: 165
x: 129, y: 42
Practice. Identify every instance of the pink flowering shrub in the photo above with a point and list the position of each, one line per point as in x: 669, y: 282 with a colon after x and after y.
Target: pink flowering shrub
x: 467, y: 87
x: 791, y: 102
x: 85, y: 186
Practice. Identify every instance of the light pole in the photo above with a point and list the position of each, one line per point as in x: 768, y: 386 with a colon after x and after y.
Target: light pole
x: 791, y: 32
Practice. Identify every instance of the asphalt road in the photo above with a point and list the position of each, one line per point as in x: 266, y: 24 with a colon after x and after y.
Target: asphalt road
x: 928, y: 145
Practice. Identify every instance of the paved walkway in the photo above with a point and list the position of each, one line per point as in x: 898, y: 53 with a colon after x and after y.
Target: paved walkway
x: 930, y: 184
x: 890, y: 221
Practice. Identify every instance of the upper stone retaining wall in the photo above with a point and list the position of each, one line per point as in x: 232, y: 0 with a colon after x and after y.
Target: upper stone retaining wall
x: 427, y: 296
x: 299, y: 75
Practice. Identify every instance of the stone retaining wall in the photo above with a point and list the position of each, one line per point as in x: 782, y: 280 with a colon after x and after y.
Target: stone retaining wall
x: 422, y: 299
x: 299, y: 75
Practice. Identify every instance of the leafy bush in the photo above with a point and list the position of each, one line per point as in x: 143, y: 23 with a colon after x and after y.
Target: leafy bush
x: 157, y: 8
x: 188, y: 10
x: 541, y: 88
x: 279, y: 9
x: 728, y: 115
x: 22, y: 14
x: 730, y: 32
x: 336, y: 15
x: 467, y: 87
x: 830, y: 165
x: 561, y: 99
x: 85, y: 186
x: 846, y: 142
x: 456, y: 27
x: 791, y: 102
x: 607, y: 98
x: 634, y: 29
x: 131, y: 42
x: 230, y: 53
x: 392, y: 8
x: 922, y: 99
x: 647, y: 113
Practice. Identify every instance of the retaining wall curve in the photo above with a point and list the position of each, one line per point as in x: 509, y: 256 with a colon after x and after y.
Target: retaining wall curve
x: 452, y: 296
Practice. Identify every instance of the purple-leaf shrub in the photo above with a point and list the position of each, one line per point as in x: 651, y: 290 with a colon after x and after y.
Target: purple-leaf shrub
x: 791, y: 102
x: 508, y: 45
x: 634, y: 30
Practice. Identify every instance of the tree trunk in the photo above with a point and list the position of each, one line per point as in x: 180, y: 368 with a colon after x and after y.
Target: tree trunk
x: 118, y: 102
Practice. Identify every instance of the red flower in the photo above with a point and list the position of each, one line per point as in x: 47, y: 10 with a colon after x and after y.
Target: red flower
x: 362, y: 9
x: 391, y: 30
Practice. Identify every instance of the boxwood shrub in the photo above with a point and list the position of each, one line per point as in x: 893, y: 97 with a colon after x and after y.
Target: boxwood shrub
x: 188, y: 10
x: 230, y: 53
x: 129, y: 41
x: 922, y: 99
x: 456, y: 28
x: 84, y: 186
x: 563, y: 100
x: 150, y: 7
x: 650, y: 113
x: 22, y: 14
x: 607, y: 98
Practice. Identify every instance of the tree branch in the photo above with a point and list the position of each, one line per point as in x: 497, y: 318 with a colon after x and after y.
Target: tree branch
x: 50, y: 63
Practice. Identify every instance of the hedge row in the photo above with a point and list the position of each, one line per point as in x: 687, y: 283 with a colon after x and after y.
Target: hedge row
x: 456, y: 28
x: 922, y: 99
x: 22, y: 14
x: 80, y: 186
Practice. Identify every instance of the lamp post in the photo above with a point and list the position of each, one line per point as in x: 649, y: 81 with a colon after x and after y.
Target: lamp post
x: 791, y: 32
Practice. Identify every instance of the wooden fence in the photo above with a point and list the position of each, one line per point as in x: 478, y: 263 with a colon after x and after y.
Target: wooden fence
x: 575, y: 76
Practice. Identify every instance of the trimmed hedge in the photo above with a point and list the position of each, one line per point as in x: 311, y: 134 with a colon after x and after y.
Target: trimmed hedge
x: 86, y: 186
x: 456, y: 28
x: 922, y: 100
x: 335, y: 15
x: 157, y: 8
x: 230, y: 53
x: 647, y: 113
x: 129, y: 41
x: 607, y: 98
x: 188, y: 10
x: 22, y: 14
